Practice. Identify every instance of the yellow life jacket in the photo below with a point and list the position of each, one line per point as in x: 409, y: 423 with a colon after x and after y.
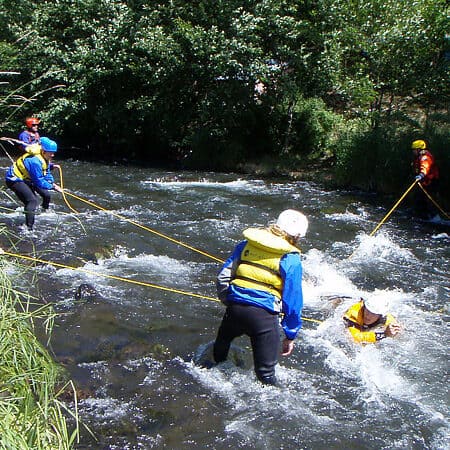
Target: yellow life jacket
x: 33, y: 149
x: 354, y: 317
x: 258, y: 267
x: 20, y: 171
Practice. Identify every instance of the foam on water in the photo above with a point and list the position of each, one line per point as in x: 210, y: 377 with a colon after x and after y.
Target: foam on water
x: 440, y: 236
x: 105, y: 410
x: 236, y: 185
x: 251, y: 401
x: 12, y: 212
x: 351, y: 217
x: 129, y: 267
x: 322, y: 278
x: 380, y: 246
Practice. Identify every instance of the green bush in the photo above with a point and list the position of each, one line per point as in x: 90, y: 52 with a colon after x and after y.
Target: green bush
x: 315, y: 128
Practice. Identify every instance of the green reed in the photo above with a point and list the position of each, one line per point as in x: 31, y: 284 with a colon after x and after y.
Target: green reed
x: 31, y: 414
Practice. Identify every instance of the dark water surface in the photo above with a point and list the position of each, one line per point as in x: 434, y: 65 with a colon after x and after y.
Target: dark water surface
x: 129, y: 348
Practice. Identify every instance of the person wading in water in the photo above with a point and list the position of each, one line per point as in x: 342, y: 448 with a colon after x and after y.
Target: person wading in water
x: 427, y: 173
x: 30, y: 135
x: 31, y: 174
x: 259, y: 281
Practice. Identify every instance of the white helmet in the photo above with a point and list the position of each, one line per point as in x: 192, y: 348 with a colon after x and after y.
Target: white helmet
x: 377, y: 305
x: 293, y: 222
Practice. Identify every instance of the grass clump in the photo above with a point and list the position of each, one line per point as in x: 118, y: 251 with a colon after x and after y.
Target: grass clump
x: 31, y: 416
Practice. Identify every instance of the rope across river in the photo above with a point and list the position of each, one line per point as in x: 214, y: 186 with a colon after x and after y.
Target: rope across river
x: 126, y: 280
x: 133, y: 222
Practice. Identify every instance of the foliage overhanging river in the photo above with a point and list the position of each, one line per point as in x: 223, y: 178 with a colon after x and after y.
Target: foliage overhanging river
x: 130, y: 348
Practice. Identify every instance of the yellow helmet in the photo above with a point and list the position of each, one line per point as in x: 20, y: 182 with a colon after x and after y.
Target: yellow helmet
x: 419, y: 145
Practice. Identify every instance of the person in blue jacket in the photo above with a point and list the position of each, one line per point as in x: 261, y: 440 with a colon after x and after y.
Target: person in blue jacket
x: 30, y: 135
x: 31, y: 174
x: 259, y: 281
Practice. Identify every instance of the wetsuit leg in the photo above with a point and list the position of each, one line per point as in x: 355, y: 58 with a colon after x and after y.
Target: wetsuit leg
x: 46, y: 197
x: 262, y: 328
x: 265, y: 339
x: 27, y: 197
x: 229, y: 329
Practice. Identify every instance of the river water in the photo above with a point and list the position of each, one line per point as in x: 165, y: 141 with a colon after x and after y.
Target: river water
x: 130, y: 348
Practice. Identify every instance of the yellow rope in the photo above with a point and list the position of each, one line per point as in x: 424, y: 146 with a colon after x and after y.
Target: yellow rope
x: 393, y: 208
x: 126, y: 280
x: 433, y: 201
x: 7, y: 209
x: 63, y: 192
x: 312, y: 320
x: 113, y: 277
x: 145, y: 228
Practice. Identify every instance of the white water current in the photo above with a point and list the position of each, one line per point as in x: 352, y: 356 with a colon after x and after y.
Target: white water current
x: 130, y: 348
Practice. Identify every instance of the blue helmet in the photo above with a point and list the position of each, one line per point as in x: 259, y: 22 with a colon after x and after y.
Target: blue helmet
x: 48, y: 145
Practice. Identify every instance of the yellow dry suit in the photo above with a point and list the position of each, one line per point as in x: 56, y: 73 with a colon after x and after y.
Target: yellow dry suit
x: 354, y: 320
x: 258, y: 267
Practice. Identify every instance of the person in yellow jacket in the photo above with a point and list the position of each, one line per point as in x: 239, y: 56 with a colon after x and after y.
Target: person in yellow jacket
x: 31, y: 175
x: 369, y: 321
x: 261, y: 280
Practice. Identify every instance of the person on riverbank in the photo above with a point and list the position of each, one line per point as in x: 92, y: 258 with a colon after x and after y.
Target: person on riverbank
x: 31, y: 174
x: 369, y: 321
x: 30, y: 135
x: 426, y: 173
x: 259, y: 281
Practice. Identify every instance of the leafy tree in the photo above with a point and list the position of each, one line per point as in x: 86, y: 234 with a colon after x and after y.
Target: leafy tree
x: 390, y: 49
x: 175, y: 81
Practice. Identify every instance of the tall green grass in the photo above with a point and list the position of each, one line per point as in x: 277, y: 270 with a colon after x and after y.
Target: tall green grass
x: 31, y: 415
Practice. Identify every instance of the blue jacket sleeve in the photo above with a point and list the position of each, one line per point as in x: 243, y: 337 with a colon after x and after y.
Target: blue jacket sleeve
x: 38, y: 177
x: 292, y: 299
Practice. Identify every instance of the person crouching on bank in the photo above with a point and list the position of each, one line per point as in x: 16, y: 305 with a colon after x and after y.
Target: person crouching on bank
x: 259, y: 281
x: 31, y: 174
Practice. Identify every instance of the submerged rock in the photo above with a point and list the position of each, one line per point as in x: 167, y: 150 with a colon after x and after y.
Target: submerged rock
x: 86, y: 291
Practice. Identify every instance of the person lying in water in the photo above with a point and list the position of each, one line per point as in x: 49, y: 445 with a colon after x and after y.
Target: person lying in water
x: 369, y: 321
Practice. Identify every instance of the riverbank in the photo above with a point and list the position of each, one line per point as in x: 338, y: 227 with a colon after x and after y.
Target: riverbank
x: 318, y: 171
x: 31, y: 415
x: 323, y: 173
